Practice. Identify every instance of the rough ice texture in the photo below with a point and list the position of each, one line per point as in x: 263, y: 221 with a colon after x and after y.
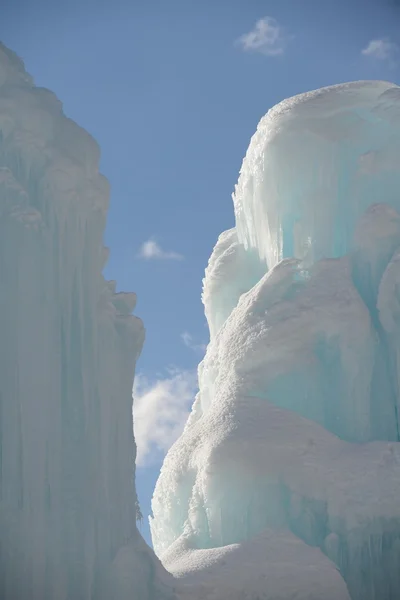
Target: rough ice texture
x: 68, y: 349
x: 286, y: 480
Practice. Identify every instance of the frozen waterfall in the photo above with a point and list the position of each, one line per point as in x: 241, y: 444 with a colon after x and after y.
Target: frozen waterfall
x: 286, y: 480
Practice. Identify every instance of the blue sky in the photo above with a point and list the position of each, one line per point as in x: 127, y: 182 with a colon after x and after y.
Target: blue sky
x: 172, y: 91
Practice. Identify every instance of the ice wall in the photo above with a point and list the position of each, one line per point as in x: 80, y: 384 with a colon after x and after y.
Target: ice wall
x: 286, y: 480
x: 67, y: 356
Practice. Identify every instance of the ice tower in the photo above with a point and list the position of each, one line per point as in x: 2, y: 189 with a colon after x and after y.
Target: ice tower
x: 68, y: 349
x: 286, y: 481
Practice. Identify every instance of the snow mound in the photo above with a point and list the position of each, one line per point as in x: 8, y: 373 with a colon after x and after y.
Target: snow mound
x: 274, y: 566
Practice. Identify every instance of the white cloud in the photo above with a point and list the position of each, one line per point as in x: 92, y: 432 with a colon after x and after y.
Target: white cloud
x: 151, y: 250
x: 382, y: 49
x: 266, y: 37
x: 160, y: 411
x: 188, y: 340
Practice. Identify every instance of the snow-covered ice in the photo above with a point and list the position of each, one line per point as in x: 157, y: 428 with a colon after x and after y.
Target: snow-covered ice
x: 315, y: 164
x: 67, y: 356
x: 285, y: 482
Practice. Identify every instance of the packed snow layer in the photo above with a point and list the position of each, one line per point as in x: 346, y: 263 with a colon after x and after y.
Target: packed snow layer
x: 274, y: 565
x: 68, y: 349
x: 294, y: 434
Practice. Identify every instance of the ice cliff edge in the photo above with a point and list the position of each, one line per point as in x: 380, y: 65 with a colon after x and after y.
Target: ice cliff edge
x: 68, y: 349
x: 285, y: 482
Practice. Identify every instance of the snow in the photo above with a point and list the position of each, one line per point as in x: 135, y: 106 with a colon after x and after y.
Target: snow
x: 67, y: 360
x: 273, y: 565
x: 291, y: 452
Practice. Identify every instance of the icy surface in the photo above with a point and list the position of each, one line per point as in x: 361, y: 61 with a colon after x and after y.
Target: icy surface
x: 316, y: 162
x: 291, y: 453
x: 68, y: 349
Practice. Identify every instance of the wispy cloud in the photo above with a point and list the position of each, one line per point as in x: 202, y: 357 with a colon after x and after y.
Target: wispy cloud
x: 267, y: 37
x: 160, y: 411
x: 382, y: 49
x: 151, y: 250
x: 188, y: 340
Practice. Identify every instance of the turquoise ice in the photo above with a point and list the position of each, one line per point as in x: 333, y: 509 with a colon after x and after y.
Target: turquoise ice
x: 294, y: 435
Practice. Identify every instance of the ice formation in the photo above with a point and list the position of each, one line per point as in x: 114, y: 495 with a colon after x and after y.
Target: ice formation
x: 286, y: 480
x: 68, y: 349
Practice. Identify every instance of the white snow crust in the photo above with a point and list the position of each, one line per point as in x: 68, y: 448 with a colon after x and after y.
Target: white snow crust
x: 273, y: 565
